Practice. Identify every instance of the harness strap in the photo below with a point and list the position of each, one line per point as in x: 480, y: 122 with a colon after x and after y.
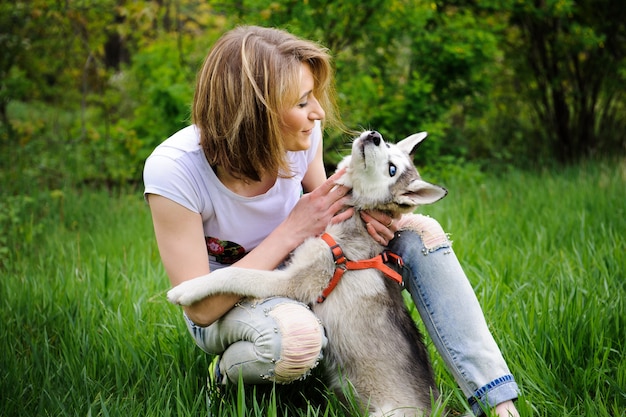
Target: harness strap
x: 342, y: 264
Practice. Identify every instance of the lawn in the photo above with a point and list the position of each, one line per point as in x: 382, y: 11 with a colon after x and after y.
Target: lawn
x: 86, y: 329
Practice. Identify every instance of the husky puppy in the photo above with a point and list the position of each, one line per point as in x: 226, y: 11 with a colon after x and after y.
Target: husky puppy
x: 373, y: 343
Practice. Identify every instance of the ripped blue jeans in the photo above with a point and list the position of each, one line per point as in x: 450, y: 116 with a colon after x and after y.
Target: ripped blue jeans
x: 452, y: 315
x: 262, y: 341
x: 250, y: 344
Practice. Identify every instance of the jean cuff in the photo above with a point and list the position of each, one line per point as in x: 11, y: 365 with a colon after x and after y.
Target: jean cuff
x: 499, y: 390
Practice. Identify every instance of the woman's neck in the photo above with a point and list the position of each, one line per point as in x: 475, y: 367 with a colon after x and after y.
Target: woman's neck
x: 245, y: 187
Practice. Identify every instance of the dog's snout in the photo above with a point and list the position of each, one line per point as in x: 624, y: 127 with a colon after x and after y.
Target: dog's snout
x: 374, y: 137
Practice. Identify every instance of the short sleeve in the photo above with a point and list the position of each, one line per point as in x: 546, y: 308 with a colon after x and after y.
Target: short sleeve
x: 169, y: 178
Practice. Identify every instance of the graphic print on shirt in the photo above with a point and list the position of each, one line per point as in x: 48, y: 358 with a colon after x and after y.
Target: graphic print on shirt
x: 224, y: 251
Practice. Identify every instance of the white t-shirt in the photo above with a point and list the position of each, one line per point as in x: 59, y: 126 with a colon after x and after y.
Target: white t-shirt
x: 177, y: 169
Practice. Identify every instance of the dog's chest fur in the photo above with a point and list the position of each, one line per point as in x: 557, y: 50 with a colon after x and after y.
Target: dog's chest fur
x: 313, y: 262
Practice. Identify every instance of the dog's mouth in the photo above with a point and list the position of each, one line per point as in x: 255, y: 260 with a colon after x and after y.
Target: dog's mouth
x: 368, y: 139
x: 362, y: 145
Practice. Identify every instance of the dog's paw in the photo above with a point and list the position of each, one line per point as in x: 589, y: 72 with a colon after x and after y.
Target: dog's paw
x: 184, y: 294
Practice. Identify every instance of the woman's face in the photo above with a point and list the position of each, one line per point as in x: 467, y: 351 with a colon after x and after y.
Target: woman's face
x: 299, y: 120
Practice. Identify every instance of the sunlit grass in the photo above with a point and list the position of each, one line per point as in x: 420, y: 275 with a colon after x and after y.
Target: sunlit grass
x: 86, y: 329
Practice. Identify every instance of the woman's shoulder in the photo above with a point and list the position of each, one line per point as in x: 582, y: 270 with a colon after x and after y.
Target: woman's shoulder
x: 181, y: 151
x: 184, y: 141
x: 178, y: 170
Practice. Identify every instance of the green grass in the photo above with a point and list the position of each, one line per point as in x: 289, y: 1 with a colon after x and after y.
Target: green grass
x: 86, y: 329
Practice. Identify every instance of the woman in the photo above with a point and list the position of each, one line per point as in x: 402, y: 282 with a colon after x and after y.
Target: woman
x: 245, y: 185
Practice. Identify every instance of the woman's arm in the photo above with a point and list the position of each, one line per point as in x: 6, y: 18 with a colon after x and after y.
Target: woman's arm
x: 180, y: 238
x: 308, y: 218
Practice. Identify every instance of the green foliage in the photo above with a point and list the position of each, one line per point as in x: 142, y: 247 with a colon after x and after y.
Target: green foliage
x: 156, y: 90
x: 569, y: 58
x: 88, y: 89
x: 401, y: 67
x: 18, y: 228
x: 87, y: 330
x: 71, y: 103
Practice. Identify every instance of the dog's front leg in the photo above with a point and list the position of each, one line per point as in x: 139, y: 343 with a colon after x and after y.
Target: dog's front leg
x: 231, y: 280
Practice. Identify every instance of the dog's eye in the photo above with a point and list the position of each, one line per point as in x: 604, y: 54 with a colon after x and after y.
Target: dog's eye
x: 392, y: 170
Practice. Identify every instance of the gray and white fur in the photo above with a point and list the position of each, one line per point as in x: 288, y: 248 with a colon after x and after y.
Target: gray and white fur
x: 372, y: 340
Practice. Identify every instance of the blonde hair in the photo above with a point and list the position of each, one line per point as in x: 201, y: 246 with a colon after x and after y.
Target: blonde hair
x: 248, y: 78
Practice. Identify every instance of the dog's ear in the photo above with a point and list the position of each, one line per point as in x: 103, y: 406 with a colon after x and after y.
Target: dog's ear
x: 420, y: 192
x: 411, y: 143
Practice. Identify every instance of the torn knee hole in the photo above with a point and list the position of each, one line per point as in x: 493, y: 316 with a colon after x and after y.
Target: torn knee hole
x: 302, y: 342
x: 431, y: 232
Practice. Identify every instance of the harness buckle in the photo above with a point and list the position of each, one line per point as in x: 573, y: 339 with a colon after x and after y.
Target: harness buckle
x: 386, y: 254
x: 396, y: 263
x: 338, y: 256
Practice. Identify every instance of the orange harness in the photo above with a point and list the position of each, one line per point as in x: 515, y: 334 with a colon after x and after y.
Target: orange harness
x: 342, y: 265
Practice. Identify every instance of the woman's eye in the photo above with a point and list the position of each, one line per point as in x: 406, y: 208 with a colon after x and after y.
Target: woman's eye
x: 392, y: 170
x: 303, y: 105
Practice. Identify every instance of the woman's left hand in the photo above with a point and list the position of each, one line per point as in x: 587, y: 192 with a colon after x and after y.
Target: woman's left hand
x: 380, y: 226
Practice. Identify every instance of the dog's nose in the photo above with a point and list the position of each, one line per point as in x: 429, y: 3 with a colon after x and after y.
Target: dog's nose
x: 374, y: 137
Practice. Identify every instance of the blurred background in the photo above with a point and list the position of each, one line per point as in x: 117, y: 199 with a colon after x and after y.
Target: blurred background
x: 525, y: 105
x: 88, y: 88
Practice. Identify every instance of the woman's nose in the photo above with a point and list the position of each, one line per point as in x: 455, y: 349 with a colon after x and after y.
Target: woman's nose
x: 317, y: 112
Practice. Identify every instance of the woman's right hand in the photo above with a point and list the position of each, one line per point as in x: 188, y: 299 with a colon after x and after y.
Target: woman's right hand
x: 315, y: 210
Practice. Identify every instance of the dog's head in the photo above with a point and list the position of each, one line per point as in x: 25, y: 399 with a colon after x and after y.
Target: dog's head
x: 382, y: 175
